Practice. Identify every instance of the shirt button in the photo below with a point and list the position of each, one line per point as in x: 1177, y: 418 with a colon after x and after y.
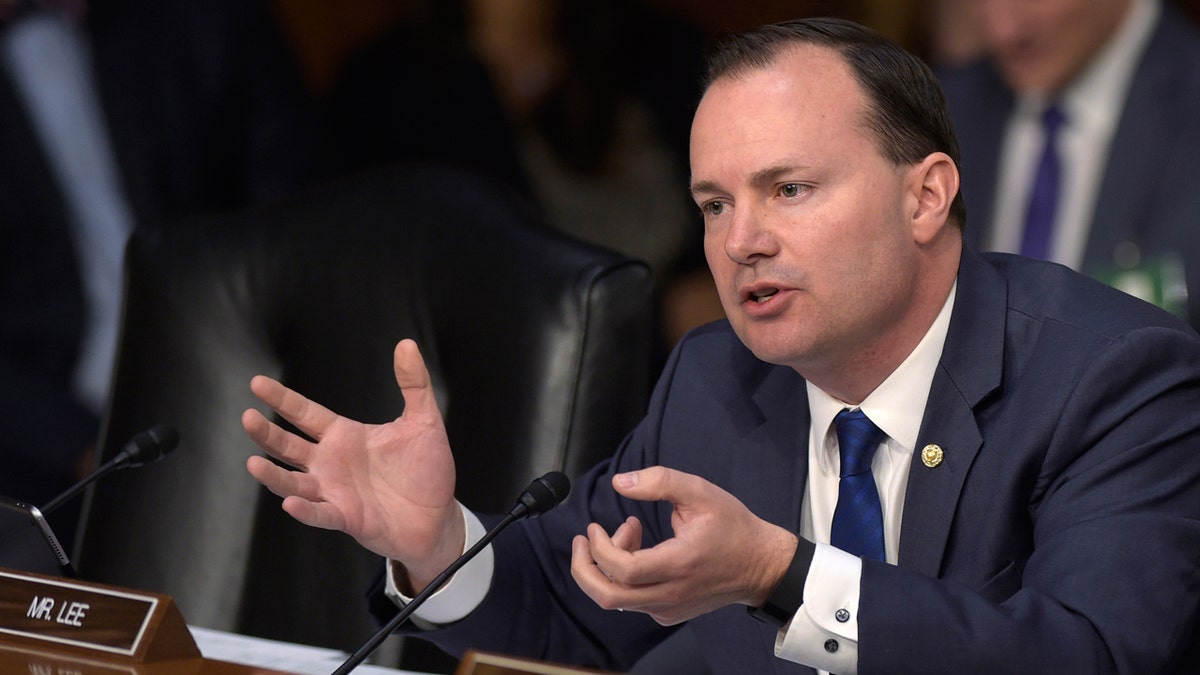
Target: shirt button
x: 831, y: 645
x: 842, y: 615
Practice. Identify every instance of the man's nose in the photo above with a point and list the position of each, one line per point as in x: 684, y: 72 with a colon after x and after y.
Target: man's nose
x: 749, y: 237
x: 1000, y: 22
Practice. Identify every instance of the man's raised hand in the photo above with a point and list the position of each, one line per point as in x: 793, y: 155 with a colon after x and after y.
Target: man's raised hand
x: 390, y: 486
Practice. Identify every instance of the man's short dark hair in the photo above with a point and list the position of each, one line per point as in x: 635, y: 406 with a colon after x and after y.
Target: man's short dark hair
x: 906, y: 109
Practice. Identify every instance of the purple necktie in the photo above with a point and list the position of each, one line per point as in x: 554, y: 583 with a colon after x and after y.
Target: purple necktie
x: 858, y: 517
x: 1043, y: 199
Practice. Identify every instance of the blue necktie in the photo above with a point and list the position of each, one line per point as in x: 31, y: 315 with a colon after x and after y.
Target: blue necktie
x: 1043, y: 198
x: 858, y: 517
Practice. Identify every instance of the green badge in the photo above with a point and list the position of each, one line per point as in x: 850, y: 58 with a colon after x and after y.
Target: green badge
x: 1158, y: 280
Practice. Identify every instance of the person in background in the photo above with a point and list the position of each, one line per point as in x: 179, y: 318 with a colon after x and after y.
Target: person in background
x: 581, y: 107
x: 116, y: 115
x: 898, y: 454
x: 1078, y: 128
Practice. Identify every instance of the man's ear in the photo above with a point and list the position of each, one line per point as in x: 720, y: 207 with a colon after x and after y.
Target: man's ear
x: 932, y: 186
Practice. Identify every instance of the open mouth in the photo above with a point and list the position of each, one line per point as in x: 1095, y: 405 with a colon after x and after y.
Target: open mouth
x: 763, y: 295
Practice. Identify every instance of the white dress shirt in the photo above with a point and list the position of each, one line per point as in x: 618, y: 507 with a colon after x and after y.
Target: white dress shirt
x: 1092, y: 104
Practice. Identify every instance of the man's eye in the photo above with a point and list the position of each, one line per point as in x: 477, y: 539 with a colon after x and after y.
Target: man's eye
x: 714, y: 208
x: 791, y: 189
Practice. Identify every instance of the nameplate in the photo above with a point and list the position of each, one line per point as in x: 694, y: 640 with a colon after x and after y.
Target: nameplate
x: 62, y: 613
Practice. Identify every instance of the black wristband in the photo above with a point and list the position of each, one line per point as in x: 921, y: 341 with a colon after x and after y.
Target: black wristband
x: 787, y: 597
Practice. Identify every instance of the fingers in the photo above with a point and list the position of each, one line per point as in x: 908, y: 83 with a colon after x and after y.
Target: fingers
x: 314, y: 514
x: 277, y: 479
x: 627, y: 538
x: 275, y: 441
x: 308, y: 416
x: 584, y: 566
x: 621, y: 559
x: 300, y: 494
x: 628, y: 535
x: 314, y: 419
x: 611, y: 593
x: 636, y: 567
x: 591, y: 579
x: 660, y: 483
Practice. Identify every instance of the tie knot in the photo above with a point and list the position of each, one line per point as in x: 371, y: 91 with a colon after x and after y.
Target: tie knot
x: 858, y: 439
x: 1052, y: 118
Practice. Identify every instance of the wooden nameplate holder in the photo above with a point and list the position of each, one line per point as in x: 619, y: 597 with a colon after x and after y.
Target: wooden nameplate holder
x: 50, y: 623
x: 67, y: 615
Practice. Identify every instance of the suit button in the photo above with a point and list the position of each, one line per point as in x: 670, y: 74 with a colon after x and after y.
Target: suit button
x: 842, y: 615
x: 831, y: 645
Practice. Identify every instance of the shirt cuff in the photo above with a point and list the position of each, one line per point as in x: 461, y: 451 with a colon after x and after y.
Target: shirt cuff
x: 824, y: 632
x: 463, y: 592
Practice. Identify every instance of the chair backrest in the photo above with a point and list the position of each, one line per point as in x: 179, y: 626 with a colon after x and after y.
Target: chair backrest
x: 539, y: 346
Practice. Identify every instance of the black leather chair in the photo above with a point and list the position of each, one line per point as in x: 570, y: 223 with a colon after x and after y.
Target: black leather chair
x: 539, y: 348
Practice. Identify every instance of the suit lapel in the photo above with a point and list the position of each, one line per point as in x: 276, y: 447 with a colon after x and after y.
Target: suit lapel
x: 771, y: 458
x: 970, y: 369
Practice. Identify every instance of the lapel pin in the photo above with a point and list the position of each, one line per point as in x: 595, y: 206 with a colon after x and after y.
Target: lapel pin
x: 931, y: 455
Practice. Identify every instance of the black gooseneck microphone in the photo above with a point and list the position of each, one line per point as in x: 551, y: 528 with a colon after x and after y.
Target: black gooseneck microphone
x: 542, y: 495
x: 145, y: 447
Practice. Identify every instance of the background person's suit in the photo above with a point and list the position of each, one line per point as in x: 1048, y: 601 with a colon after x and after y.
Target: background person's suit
x: 1066, y: 510
x: 1147, y: 194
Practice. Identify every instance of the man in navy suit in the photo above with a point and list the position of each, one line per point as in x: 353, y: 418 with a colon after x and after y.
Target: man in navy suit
x: 1031, y: 495
x: 1126, y: 76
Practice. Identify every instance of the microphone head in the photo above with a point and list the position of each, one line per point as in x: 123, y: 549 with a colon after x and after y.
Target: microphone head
x: 150, y: 445
x: 542, y: 495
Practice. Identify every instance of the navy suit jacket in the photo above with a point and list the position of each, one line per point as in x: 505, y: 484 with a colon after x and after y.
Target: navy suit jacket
x: 1147, y: 194
x: 1061, y: 533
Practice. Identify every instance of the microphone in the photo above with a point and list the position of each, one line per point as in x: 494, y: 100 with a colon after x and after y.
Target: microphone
x: 543, y: 494
x: 39, y: 521
x: 145, y: 447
